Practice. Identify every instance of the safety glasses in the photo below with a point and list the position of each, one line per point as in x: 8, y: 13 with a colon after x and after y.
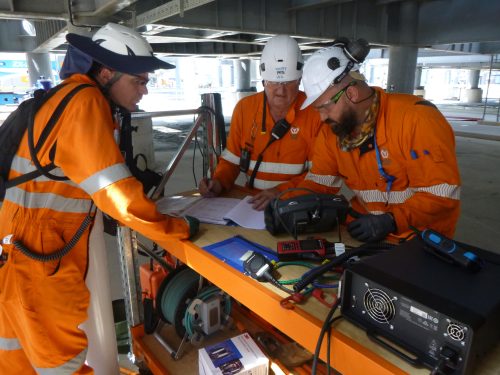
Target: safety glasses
x: 139, y: 80
x: 335, y: 98
x: 277, y: 84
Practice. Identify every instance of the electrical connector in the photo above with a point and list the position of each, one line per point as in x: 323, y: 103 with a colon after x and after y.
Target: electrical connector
x: 448, y: 359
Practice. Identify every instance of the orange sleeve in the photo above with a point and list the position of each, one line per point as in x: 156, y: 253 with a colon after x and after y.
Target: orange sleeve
x: 87, y: 148
x: 323, y: 176
x: 430, y: 137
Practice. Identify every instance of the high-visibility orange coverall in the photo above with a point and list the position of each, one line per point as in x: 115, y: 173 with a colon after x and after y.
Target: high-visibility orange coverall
x: 42, y: 304
x: 417, y: 147
x: 286, y: 161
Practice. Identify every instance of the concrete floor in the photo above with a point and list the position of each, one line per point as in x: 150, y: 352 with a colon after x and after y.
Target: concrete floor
x: 479, y: 222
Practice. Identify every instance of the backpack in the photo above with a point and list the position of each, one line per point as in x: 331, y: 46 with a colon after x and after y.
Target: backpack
x: 12, y: 132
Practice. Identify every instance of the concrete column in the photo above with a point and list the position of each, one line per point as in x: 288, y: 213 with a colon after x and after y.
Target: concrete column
x: 38, y: 65
x: 402, y: 65
x: 242, y: 81
x: 419, y: 90
x: 474, y: 78
x: 473, y: 94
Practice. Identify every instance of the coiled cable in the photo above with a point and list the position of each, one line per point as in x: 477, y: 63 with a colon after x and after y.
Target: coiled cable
x: 61, y: 252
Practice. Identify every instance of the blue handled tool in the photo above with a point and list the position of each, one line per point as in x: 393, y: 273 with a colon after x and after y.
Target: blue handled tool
x: 450, y: 251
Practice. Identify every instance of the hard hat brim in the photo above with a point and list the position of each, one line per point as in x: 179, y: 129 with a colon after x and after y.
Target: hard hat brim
x: 122, y: 63
x: 309, y: 100
x: 355, y: 74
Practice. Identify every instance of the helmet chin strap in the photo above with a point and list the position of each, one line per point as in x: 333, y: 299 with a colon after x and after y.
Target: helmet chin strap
x: 107, y: 86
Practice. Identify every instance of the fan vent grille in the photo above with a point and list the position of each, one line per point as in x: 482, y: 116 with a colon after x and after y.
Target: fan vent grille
x: 455, y: 331
x: 379, y: 306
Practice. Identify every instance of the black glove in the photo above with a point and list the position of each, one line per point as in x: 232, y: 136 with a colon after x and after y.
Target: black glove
x: 194, y: 225
x: 371, y: 228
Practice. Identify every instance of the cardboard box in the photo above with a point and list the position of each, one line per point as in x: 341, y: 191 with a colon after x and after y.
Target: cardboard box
x: 239, y: 355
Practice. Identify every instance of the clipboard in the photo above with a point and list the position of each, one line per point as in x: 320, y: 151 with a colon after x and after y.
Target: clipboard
x: 232, y: 251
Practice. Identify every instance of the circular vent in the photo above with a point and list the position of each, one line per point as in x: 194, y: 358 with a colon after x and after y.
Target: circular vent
x: 455, y: 331
x: 379, y: 306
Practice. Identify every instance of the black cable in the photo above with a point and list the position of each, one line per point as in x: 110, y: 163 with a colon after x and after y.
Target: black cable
x: 59, y: 253
x: 275, y: 282
x: 326, y: 325
x: 365, y: 249
x: 328, y: 349
x: 193, y: 162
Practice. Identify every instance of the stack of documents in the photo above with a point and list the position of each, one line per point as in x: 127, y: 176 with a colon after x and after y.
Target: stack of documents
x: 214, y: 210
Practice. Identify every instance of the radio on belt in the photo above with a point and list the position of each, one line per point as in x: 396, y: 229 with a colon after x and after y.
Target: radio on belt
x: 450, y: 251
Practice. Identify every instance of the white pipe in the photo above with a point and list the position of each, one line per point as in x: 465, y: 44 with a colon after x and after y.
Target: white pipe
x: 102, y: 354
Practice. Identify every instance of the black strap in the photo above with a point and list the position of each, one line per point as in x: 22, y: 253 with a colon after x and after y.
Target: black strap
x: 426, y: 103
x: 44, y: 170
x: 46, y: 131
x: 263, y: 131
x: 264, y: 110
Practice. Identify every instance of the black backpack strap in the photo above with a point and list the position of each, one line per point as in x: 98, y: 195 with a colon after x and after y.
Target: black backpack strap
x: 40, y: 101
x: 46, y: 131
x: 426, y: 103
x: 28, y: 176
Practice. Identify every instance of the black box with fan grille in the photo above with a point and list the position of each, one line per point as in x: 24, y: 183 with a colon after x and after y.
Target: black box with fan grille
x: 431, y: 309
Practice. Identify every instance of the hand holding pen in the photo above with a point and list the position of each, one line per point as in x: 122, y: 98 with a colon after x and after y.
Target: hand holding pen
x: 210, y: 187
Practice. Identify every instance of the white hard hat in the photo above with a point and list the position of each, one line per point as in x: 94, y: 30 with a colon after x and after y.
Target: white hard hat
x: 119, y: 48
x: 323, y: 69
x: 330, y: 65
x: 281, y: 60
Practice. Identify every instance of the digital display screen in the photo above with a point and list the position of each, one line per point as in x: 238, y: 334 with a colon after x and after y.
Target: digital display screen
x: 311, y: 244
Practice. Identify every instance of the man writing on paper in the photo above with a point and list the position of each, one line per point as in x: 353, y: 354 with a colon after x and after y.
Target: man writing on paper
x: 396, y: 152
x: 271, y: 138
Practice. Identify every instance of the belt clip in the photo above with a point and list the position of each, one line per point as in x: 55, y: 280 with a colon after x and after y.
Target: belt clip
x: 7, y: 240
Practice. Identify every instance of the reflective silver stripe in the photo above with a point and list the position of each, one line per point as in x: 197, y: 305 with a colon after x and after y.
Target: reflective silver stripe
x: 47, y: 200
x: 398, y: 197
x: 23, y: 166
x: 9, y: 344
x: 377, y: 212
x: 265, y: 184
x: 309, y: 165
x: 230, y: 157
x: 279, y: 168
x: 325, y: 180
x: 442, y: 190
x: 105, y: 178
x: 69, y: 367
x: 268, y: 167
x: 371, y: 196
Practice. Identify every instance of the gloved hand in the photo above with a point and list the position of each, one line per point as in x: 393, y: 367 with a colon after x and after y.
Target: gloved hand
x: 194, y: 225
x: 371, y: 228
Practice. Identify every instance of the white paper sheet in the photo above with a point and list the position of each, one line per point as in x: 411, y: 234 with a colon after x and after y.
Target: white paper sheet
x: 212, y: 210
x: 244, y: 215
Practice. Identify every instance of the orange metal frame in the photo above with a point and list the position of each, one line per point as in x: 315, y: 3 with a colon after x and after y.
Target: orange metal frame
x: 347, y: 356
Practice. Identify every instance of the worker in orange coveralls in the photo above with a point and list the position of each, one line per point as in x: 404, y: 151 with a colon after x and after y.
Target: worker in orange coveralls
x: 270, y: 138
x: 45, y: 223
x: 395, y: 152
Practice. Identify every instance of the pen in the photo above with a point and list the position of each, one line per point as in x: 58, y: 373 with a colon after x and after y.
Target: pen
x: 207, y: 182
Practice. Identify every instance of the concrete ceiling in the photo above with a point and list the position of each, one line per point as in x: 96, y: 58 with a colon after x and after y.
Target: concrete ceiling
x: 234, y: 28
